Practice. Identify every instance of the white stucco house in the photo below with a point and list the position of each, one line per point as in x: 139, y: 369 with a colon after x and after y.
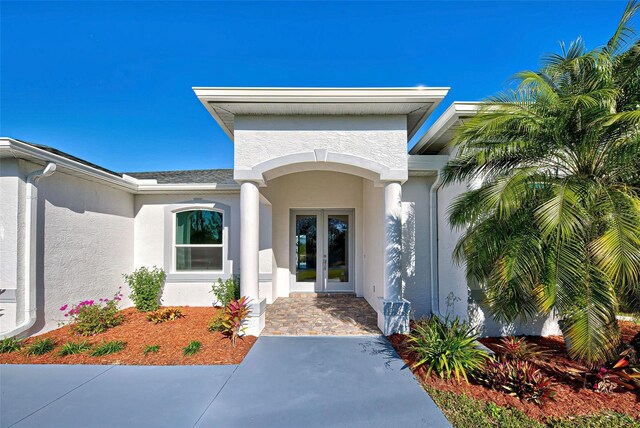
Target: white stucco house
x: 323, y: 197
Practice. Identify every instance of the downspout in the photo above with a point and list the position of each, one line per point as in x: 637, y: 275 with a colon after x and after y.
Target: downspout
x: 433, y: 220
x: 30, y: 226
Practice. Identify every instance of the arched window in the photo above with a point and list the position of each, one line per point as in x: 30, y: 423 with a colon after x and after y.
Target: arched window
x: 199, y: 242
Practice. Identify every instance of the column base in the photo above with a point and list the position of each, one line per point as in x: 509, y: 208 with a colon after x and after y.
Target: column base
x: 394, y: 317
x: 255, y: 321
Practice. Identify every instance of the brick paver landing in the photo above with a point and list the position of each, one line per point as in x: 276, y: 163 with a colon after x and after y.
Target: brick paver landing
x: 322, y: 316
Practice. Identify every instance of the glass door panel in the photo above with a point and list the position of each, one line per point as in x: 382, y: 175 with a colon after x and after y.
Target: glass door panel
x: 306, y: 248
x: 337, y: 248
x: 321, y: 250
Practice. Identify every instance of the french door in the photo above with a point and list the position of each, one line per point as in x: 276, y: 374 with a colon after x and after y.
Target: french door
x: 322, y: 250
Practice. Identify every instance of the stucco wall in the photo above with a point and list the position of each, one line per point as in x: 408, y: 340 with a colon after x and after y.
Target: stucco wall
x: 154, y: 242
x: 11, y: 243
x: 317, y: 189
x: 84, y: 243
x: 373, y: 269
x: 416, y: 238
x: 378, y: 138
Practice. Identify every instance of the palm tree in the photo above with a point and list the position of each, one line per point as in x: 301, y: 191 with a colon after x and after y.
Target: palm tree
x: 554, y: 225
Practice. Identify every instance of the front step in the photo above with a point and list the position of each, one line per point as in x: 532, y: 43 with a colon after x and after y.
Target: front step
x: 298, y: 295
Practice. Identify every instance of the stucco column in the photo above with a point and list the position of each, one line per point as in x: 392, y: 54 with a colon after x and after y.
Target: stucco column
x: 249, y: 256
x: 249, y: 238
x: 392, y: 241
x: 394, y: 317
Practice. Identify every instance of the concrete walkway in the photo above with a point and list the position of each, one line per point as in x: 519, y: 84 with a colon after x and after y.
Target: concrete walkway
x: 283, y: 382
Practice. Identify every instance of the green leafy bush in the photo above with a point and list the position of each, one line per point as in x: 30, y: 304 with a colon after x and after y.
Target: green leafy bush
x: 446, y: 347
x: 235, y: 313
x: 146, y: 286
x: 71, y: 348
x: 10, y: 344
x: 226, y: 291
x: 519, y: 378
x: 41, y: 346
x: 151, y: 349
x: 191, y: 348
x: 165, y: 314
x: 106, y: 348
x: 217, y: 322
x: 90, y: 317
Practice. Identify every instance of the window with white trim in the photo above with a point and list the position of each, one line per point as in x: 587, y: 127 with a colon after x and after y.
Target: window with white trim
x: 198, y: 241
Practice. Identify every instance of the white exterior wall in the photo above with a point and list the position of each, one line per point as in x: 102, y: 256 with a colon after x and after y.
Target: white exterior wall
x: 382, y: 139
x: 84, y: 243
x: 416, y: 239
x: 153, y: 240
x: 315, y: 189
x: 11, y: 243
x: 373, y: 242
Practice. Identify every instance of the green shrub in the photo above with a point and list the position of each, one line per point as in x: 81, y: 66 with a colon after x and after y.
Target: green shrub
x: 106, y: 348
x: 146, y: 286
x: 71, y: 348
x: 217, y: 322
x: 165, y: 314
x: 446, y: 347
x: 41, y: 346
x: 151, y: 349
x: 226, y: 291
x: 191, y: 348
x: 518, y: 378
x: 10, y: 344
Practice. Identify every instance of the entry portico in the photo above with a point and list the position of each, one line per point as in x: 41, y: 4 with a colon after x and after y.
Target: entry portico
x: 321, y: 173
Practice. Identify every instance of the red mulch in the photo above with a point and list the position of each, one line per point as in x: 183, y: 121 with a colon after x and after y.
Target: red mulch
x: 137, y: 332
x: 571, y: 398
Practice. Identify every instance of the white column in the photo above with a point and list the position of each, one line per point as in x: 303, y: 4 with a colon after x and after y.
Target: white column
x: 393, y: 241
x: 249, y: 239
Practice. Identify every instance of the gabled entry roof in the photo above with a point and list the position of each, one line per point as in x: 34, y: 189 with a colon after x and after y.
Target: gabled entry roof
x: 415, y: 103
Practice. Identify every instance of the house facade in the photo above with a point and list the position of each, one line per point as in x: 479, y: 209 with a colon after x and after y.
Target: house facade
x: 323, y: 198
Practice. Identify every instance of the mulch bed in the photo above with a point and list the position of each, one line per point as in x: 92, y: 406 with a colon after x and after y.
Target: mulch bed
x: 571, y: 398
x: 137, y: 332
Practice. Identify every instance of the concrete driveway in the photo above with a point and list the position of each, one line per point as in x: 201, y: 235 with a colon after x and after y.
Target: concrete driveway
x: 283, y: 382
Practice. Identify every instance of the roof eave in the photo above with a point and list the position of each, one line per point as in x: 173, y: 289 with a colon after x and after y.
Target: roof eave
x: 430, y: 95
x: 450, y: 116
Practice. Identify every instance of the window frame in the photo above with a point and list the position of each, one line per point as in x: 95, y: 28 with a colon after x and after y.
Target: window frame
x: 175, y: 246
x: 169, y: 257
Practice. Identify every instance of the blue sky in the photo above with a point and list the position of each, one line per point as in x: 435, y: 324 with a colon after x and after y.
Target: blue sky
x: 111, y: 82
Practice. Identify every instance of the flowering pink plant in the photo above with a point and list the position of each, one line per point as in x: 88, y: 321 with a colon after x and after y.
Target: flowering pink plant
x: 88, y: 317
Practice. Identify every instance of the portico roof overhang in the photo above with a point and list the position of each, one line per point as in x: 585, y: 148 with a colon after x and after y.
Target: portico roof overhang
x: 414, y: 103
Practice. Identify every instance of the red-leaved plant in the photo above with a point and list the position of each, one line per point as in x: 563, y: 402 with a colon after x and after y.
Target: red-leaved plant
x: 235, y: 313
x: 619, y: 375
x: 519, y: 378
x: 518, y: 348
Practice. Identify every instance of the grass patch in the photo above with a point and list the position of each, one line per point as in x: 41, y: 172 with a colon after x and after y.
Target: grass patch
x: 466, y: 412
x: 151, y: 349
x: 10, y: 344
x: 106, y: 348
x: 191, y: 348
x: 41, y: 346
x: 71, y: 348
